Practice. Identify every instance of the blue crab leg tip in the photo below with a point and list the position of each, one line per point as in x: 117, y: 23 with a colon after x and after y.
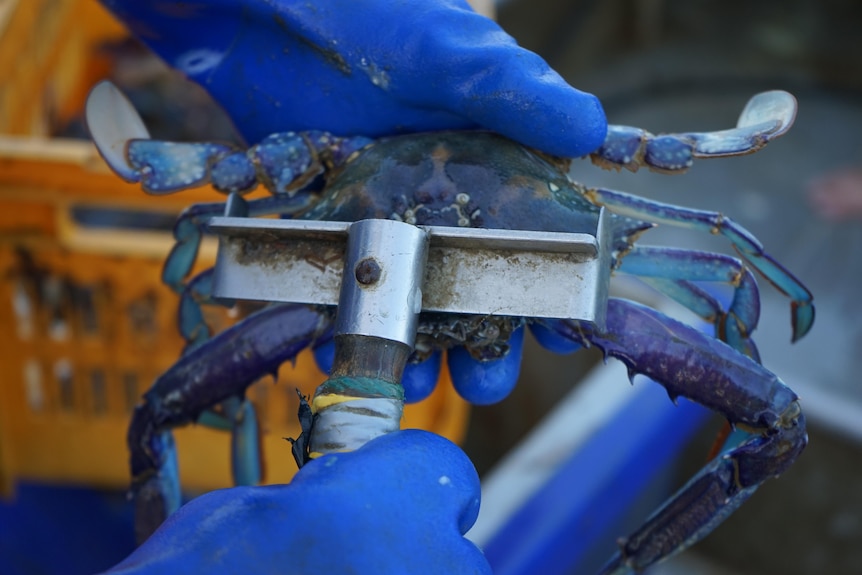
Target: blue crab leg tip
x: 765, y: 117
x: 156, y: 491
x: 803, y: 319
x: 749, y: 348
x: 246, y: 461
x: 112, y: 121
x: 774, y: 106
x: 801, y: 306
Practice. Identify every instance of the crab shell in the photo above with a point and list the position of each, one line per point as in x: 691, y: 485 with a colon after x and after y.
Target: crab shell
x: 465, y: 179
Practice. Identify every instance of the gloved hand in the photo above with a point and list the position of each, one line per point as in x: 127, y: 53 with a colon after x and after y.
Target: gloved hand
x: 369, y: 67
x: 397, y: 506
x: 374, y: 68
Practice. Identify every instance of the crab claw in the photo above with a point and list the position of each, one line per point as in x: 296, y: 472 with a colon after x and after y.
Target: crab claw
x: 765, y: 117
x: 112, y: 122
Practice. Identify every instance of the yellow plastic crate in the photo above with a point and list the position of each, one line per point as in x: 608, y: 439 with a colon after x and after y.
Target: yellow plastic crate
x: 86, y: 323
x: 48, y: 60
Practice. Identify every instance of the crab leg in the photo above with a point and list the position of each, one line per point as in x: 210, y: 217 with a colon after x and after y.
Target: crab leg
x: 691, y: 364
x: 748, y: 246
x: 765, y: 117
x: 709, y: 309
x: 671, y: 271
x: 189, y: 231
x: 191, y: 225
x: 238, y: 416
x: 287, y: 164
x: 192, y: 324
x: 246, y: 462
x: 283, y: 162
x: 220, y: 369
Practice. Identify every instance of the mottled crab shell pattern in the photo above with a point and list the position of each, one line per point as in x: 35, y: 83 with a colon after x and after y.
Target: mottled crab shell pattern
x: 463, y: 179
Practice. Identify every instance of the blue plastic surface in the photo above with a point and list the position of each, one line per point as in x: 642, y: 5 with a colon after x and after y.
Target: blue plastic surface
x: 47, y: 530
x: 577, y: 516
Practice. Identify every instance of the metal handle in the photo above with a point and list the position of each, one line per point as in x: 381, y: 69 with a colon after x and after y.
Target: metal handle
x: 375, y: 327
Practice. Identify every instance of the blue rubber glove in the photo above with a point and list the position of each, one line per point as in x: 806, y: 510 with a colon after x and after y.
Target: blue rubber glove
x: 366, y: 67
x: 373, y: 68
x: 398, y: 506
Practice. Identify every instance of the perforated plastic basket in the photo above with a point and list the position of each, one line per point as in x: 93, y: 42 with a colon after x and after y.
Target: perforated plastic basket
x: 86, y: 323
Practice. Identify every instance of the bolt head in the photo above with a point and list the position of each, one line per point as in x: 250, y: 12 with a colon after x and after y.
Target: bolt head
x: 367, y: 272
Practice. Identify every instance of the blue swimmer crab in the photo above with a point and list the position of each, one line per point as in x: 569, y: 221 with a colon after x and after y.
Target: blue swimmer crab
x: 480, y: 179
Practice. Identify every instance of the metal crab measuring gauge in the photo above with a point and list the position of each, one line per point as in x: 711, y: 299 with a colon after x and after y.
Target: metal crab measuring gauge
x: 382, y: 274
x: 468, y: 270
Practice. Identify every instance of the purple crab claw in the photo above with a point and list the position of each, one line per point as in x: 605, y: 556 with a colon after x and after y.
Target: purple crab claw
x: 216, y: 371
x: 766, y: 116
x: 691, y: 364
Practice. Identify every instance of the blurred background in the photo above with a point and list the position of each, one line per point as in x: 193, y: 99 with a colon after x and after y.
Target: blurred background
x: 87, y: 324
x: 669, y: 65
